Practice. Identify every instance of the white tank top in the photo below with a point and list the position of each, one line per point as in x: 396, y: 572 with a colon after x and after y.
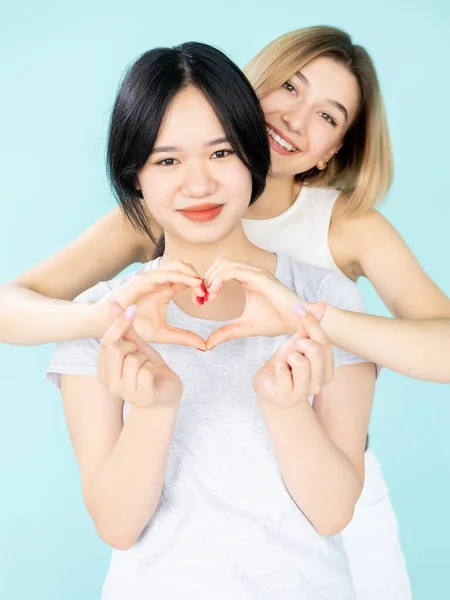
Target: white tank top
x: 301, y: 231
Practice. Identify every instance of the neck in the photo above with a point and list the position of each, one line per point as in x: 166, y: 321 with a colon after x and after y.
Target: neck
x: 234, y: 246
x: 280, y: 193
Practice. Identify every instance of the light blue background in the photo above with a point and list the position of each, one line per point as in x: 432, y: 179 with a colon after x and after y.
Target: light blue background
x: 60, y: 65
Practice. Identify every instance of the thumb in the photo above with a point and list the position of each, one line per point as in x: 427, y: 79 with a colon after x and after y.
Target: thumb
x: 116, y: 311
x: 237, y: 329
x: 130, y: 334
x: 318, y: 310
x: 120, y: 326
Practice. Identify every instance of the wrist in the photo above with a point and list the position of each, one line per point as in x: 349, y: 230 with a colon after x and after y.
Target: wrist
x: 274, y: 405
x: 298, y: 309
x: 329, y: 320
x: 86, y: 321
x: 157, y: 412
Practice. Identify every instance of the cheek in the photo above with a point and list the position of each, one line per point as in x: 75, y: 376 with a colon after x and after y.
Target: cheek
x: 320, y: 140
x: 275, y: 102
x: 158, y: 193
x: 240, y: 182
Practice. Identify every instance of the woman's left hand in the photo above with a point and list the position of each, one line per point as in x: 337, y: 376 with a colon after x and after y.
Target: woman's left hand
x: 300, y: 368
x: 270, y: 308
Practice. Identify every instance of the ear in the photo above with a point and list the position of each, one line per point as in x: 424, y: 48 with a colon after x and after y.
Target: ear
x: 334, y: 150
x: 137, y: 187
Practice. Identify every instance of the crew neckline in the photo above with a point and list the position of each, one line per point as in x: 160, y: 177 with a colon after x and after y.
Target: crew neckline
x: 176, y: 311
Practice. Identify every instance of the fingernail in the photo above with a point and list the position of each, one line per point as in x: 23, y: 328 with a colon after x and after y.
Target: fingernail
x: 200, y: 300
x: 201, y: 349
x: 130, y: 312
x: 205, y: 291
x: 300, y: 310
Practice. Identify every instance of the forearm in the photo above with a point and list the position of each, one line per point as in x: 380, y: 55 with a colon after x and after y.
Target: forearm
x: 320, y: 478
x: 124, y: 494
x: 27, y: 318
x: 415, y: 348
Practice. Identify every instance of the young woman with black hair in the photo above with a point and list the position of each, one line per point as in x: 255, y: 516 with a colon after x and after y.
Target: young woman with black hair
x: 226, y: 473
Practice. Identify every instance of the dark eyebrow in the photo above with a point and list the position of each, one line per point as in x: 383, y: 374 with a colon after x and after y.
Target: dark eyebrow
x: 166, y: 149
x: 334, y: 103
x: 215, y: 142
x: 340, y: 107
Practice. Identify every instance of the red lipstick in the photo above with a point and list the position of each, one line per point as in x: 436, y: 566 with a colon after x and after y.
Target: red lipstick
x: 202, y: 212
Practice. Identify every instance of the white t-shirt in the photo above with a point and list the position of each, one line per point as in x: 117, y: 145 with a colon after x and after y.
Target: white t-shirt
x: 225, y: 527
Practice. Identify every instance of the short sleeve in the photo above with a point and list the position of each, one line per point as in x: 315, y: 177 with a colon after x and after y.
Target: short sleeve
x: 341, y: 292
x: 76, y: 357
x: 80, y: 356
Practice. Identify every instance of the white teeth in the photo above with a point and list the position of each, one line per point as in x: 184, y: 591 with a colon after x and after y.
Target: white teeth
x: 283, y: 143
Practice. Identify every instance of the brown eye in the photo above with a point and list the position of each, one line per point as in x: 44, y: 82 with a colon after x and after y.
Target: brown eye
x: 328, y: 118
x: 167, y: 162
x: 289, y: 87
x: 222, y: 153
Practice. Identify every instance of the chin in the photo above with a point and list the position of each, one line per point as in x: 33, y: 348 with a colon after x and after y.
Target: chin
x: 205, y: 236
x: 285, y: 168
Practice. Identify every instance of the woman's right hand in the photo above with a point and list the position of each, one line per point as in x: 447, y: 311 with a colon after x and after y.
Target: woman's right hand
x: 151, y: 292
x: 270, y: 308
x: 131, y: 369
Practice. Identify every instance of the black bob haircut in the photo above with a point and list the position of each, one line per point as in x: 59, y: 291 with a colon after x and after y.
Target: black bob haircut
x: 145, y: 94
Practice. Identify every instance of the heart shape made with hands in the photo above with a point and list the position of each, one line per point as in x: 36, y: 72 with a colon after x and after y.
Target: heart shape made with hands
x: 270, y: 309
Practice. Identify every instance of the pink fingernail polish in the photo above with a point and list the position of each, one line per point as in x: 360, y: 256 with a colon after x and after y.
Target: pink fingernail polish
x: 130, y: 312
x: 300, y: 310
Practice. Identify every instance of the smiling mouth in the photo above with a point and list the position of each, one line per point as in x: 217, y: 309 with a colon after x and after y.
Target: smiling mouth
x: 281, y: 141
x: 202, y: 212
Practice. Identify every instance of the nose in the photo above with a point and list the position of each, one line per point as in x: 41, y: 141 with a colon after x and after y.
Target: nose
x: 198, y: 182
x: 296, y: 118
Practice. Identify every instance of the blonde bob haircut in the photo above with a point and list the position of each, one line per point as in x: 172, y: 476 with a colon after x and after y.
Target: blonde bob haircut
x: 363, y: 166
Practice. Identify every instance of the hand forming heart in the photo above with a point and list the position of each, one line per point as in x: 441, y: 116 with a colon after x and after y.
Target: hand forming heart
x: 270, y: 309
x: 151, y: 293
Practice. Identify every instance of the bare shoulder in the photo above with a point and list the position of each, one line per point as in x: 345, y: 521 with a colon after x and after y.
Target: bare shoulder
x: 369, y: 245
x: 135, y: 239
x: 352, y: 236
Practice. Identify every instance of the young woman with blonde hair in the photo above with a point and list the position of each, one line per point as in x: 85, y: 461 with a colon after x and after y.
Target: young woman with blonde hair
x: 331, y: 163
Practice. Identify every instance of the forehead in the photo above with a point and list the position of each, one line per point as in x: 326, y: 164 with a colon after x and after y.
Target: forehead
x: 190, y: 117
x: 332, y: 80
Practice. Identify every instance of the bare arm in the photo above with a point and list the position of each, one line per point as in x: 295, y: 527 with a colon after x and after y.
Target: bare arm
x: 122, y: 466
x: 417, y: 349
x: 417, y: 344
x: 371, y: 247
x: 35, y: 307
x: 320, y: 450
